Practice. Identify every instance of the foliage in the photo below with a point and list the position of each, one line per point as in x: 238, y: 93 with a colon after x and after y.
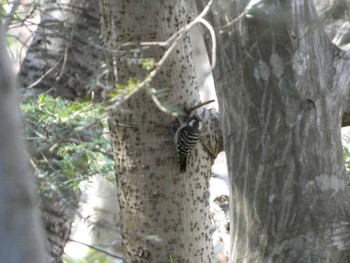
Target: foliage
x: 68, y: 142
x: 346, y: 151
x: 347, y: 158
x: 93, y: 256
x: 148, y: 64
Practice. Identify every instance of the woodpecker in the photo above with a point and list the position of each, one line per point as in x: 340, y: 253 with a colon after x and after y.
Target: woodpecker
x: 186, y: 138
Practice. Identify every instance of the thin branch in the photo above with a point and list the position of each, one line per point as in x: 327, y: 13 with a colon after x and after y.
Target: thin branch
x: 32, y: 163
x: 10, y: 16
x: 160, y: 106
x: 174, y: 40
x: 148, y: 79
x: 44, y: 75
x: 65, y: 58
x: 25, y: 44
x: 224, y: 29
x: 97, y: 249
x: 68, y: 46
x: 181, y: 31
x: 213, y: 41
x: 189, y: 110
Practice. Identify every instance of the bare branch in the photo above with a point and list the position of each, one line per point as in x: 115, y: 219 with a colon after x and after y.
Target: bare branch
x: 213, y: 40
x: 160, y: 106
x: 224, y: 29
x: 10, y: 16
x: 97, y: 249
x: 44, y: 75
x: 189, y: 110
x: 172, y: 41
x: 182, y: 30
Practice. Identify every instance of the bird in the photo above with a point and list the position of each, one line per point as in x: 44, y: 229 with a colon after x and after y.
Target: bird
x: 186, y: 138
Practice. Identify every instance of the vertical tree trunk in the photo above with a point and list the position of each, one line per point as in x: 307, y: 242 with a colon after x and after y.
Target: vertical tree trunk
x: 63, y: 60
x: 165, y: 214
x: 281, y: 86
x: 21, y: 235
x: 64, y: 56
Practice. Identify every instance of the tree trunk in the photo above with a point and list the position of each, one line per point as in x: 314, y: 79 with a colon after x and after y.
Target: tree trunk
x: 164, y: 214
x: 281, y: 86
x: 63, y: 60
x: 335, y: 15
x: 64, y: 56
x: 21, y: 234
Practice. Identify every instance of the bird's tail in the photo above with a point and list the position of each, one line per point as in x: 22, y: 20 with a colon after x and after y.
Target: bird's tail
x: 182, y: 165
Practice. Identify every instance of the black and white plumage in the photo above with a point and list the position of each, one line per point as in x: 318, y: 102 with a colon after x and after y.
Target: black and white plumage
x: 186, y: 138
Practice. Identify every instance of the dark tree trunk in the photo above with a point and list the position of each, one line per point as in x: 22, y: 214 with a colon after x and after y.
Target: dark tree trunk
x: 64, y: 56
x: 57, y: 224
x: 281, y: 86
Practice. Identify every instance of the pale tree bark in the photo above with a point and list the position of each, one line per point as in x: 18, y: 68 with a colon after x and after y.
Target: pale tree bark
x: 63, y: 60
x: 21, y: 234
x: 282, y: 87
x: 164, y: 214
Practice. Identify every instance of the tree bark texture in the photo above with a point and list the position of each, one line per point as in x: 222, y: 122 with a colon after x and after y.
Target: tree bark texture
x: 335, y: 15
x: 21, y: 234
x: 282, y: 87
x: 64, y: 56
x: 58, y: 214
x: 164, y: 214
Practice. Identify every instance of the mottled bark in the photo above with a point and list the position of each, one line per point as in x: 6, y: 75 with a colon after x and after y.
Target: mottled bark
x: 57, y: 224
x: 64, y: 56
x: 63, y: 60
x: 281, y: 86
x: 21, y: 234
x: 335, y: 17
x: 164, y: 214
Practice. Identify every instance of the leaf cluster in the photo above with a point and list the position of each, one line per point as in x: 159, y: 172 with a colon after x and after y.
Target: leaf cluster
x: 68, y: 142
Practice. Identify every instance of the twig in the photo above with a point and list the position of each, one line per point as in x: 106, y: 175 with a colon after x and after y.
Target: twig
x: 44, y: 75
x: 10, y: 16
x: 174, y: 40
x: 160, y: 106
x: 68, y: 46
x: 65, y: 58
x: 181, y: 31
x: 150, y: 77
x: 224, y: 29
x: 213, y: 41
x: 189, y: 110
x: 97, y: 249
x: 32, y: 163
